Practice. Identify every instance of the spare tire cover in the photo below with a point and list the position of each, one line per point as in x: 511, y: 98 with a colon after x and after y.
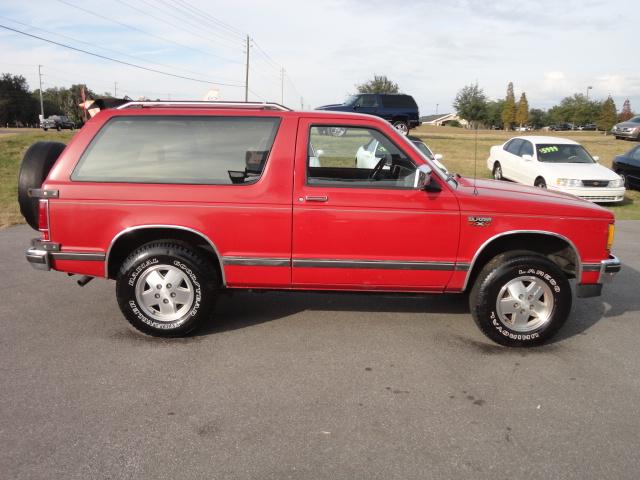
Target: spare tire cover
x: 35, y: 167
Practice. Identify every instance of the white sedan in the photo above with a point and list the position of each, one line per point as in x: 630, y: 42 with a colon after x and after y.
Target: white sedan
x: 556, y: 164
x: 370, y: 154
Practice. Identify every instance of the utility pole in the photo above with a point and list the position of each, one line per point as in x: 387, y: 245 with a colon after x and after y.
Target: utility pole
x: 115, y: 89
x: 588, y: 88
x: 282, y: 86
x: 246, y: 78
x: 41, y: 103
x: 437, y: 104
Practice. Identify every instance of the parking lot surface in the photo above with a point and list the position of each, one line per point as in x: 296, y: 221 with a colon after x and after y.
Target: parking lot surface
x: 312, y: 386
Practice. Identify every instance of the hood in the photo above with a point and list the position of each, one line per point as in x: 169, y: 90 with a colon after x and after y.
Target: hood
x: 627, y: 125
x: 331, y: 105
x: 580, y: 171
x: 512, y: 198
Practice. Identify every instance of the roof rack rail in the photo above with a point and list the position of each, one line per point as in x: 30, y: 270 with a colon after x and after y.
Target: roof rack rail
x: 205, y: 104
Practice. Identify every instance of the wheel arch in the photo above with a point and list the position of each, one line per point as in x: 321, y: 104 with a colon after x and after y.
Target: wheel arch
x: 558, y: 248
x: 125, y: 241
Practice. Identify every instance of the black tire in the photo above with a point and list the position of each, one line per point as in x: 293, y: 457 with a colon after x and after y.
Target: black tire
x: 520, y: 267
x: 540, y: 183
x: 196, y: 276
x: 35, y: 166
x: 401, y: 126
x: 497, y: 171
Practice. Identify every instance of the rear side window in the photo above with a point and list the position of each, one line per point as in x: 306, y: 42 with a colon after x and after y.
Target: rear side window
x: 179, y: 149
x: 514, y: 146
x: 527, y: 148
x: 398, y: 101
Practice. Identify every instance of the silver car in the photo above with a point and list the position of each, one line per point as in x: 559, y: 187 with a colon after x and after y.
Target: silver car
x: 629, y: 129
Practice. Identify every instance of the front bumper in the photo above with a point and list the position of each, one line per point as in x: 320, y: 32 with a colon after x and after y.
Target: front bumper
x: 608, y: 269
x: 594, y: 194
x: 629, y: 134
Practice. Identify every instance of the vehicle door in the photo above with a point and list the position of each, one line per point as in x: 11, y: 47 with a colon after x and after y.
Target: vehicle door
x: 363, y: 228
x: 367, y: 103
x: 510, y: 159
x: 528, y: 164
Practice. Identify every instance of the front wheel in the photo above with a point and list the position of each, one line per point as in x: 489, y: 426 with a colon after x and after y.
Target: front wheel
x: 166, y: 288
x: 540, y: 183
x: 520, y: 299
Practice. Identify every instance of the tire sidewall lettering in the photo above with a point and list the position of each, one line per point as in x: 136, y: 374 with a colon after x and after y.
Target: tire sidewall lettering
x: 503, y: 329
x: 139, y: 269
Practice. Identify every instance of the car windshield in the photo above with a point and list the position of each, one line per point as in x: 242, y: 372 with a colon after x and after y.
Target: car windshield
x: 563, y: 153
x: 424, y: 149
x: 351, y: 99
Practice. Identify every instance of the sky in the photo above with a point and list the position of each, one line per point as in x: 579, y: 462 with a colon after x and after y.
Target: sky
x: 549, y: 49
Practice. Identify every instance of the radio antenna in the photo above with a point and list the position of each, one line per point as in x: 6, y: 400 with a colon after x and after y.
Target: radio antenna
x: 475, y: 162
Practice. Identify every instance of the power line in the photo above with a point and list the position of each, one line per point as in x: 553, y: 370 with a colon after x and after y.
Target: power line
x: 226, y: 42
x: 98, y: 46
x: 130, y: 27
x: 199, y: 22
x: 104, y: 57
x: 199, y: 11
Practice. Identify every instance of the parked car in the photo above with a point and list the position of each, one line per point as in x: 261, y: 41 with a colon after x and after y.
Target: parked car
x: 57, y: 122
x: 556, y: 164
x: 398, y: 109
x: 628, y: 167
x: 178, y: 202
x: 561, y: 127
x: 627, y: 130
x: 373, y: 152
x: 588, y: 127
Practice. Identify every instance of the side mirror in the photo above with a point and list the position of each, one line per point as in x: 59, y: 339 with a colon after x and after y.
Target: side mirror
x: 527, y: 158
x: 596, y: 158
x: 438, y: 157
x: 423, y: 177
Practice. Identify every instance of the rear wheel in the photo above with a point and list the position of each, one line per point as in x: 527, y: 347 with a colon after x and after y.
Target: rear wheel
x: 402, y: 127
x: 35, y: 167
x: 167, y: 288
x: 520, y: 299
x: 540, y: 183
x: 497, y: 171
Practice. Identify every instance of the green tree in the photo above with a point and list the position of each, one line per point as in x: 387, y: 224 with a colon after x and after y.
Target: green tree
x: 626, y: 112
x: 608, y: 115
x: 379, y: 84
x: 577, y: 109
x: 17, y: 106
x: 509, y: 109
x: 537, y: 118
x: 522, y: 114
x: 471, y: 104
x: 494, y: 113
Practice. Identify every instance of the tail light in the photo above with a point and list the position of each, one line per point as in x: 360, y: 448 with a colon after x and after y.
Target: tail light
x: 43, y: 219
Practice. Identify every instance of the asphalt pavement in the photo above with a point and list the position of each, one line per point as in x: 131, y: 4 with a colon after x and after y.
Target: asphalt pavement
x: 312, y: 386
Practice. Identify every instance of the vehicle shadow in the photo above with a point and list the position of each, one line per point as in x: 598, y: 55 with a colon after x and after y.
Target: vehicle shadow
x: 618, y: 297
x: 244, y: 309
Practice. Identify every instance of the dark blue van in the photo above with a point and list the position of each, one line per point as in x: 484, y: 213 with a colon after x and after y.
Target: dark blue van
x: 399, y: 109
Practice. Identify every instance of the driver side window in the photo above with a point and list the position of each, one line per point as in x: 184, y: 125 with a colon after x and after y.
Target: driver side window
x: 357, y: 157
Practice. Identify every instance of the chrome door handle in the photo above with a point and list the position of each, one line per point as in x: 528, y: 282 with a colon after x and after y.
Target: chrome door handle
x: 319, y: 198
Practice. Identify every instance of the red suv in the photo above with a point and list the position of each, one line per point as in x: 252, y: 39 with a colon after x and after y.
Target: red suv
x: 179, y: 201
